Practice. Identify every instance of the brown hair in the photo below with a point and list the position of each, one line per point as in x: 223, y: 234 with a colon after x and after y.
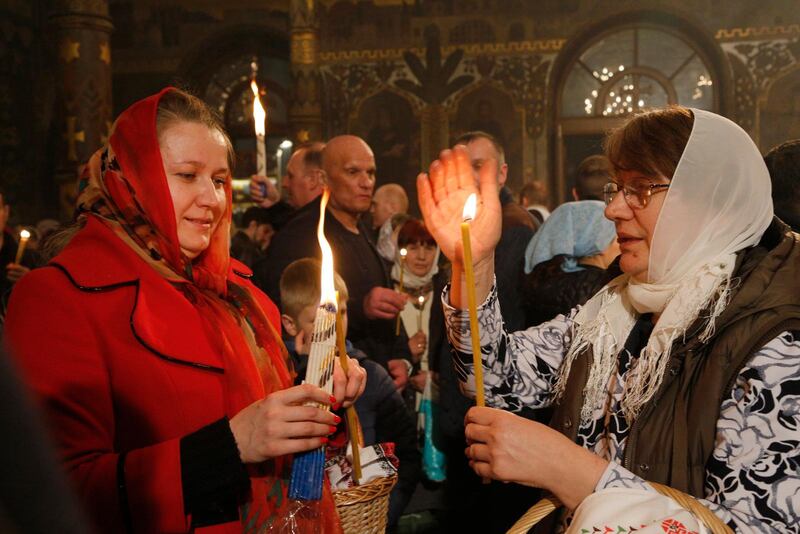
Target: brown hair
x: 651, y: 142
x: 535, y: 192
x: 414, y: 232
x: 300, y: 286
x: 313, y: 153
x: 593, y: 173
x: 177, y: 105
x: 467, y: 138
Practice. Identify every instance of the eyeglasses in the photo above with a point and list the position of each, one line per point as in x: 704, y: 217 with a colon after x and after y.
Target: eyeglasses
x: 637, y: 195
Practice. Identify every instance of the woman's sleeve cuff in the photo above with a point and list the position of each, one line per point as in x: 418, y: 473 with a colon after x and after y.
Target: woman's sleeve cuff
x: 213, y: 477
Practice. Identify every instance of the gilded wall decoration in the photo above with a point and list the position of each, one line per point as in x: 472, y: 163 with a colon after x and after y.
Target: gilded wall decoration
x: 525, y: 78
x: 731, y: 34
x: 347, y: 84
x: 779, y: 112
x: 387, y: 122
x: 744, y: 90
x: 766, y: 59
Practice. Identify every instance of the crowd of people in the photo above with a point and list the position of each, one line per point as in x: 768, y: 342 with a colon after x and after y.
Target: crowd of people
x: 645, y: 331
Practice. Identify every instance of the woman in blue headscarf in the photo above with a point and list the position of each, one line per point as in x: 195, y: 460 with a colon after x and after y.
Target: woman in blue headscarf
x: 566, y: 260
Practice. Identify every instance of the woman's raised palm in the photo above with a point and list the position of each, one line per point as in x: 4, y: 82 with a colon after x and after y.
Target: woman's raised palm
x: 442, y: 194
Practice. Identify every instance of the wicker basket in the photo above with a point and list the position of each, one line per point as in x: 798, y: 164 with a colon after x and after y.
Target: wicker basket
x: 363, y: 509
x: 541, y: 509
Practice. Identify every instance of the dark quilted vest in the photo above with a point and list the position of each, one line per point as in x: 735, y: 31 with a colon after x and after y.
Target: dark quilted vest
x: 673, y: 437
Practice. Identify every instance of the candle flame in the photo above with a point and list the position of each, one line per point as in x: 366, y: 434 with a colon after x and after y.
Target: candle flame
x: 25, y: 234
x: 327, y: 288
x: 470, y: 207
x: 421, y: 299
x: 259, y: 114
x: 403, y: 252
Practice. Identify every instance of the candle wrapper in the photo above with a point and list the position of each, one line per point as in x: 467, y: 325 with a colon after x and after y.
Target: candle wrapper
x: 308, y: 467
x: 377, y: 461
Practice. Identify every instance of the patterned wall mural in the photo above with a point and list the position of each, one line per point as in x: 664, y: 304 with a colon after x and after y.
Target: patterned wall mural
x: 409, y: 76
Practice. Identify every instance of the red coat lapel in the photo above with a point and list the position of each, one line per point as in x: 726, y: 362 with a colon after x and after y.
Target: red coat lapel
x: 162, y: 319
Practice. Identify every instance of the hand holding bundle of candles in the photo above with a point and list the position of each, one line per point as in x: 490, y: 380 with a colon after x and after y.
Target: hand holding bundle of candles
x: 308, y: 468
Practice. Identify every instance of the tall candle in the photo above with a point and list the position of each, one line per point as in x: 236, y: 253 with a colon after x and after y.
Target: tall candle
x: 403, y: 254
x: 260, y: 120
x: 421, y: 300
x: 350, y: 412
x: 23, y: 241
x: 469, y: 214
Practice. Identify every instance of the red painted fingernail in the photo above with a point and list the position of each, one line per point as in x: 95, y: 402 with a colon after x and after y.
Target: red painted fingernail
x: 337, y: 419
x: 332, y: 430
x: 333, y: 400
x: 337, y: 405
x: 324, y: 440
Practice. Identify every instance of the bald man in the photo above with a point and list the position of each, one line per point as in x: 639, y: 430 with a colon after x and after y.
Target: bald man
x: 389, y: 200
x: 349, y: 170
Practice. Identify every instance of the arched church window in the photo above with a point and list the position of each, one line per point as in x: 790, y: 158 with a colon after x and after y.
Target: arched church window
x: 632, y: 69
x: 617, y: 72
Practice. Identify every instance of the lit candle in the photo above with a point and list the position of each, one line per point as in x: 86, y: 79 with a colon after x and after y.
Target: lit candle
x: 260, y: 120
x: 403, y: 254
x: 421, y: 300
x: 470, y: 207
x: 350, y: 412
x: 308, y: 468
x: 23, y: 241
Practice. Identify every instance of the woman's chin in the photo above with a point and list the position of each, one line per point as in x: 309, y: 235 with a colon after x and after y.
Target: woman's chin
x: 633, y: 266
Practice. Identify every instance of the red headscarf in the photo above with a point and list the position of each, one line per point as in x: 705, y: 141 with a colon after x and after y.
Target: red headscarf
x: 124, y: 185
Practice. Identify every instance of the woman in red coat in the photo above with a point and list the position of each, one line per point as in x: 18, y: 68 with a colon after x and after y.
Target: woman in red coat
x: 159, y: 364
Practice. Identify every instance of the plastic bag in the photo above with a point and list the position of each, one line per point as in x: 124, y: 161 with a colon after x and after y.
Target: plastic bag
x: 433, y: 460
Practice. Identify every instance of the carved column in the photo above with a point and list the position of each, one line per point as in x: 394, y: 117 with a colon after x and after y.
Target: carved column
x: 434, y: 133
x: 80, y: 32
x: 305, y: 110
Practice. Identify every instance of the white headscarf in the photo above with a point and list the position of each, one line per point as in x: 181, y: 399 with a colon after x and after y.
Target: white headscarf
x: 718, y: 203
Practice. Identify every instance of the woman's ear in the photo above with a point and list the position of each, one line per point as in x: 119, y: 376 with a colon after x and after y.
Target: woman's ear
x: 289, y: 325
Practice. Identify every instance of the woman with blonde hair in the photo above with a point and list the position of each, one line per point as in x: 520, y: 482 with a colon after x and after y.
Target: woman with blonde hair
x: 161, y: 367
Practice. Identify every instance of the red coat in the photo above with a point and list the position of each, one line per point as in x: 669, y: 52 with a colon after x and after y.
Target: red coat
x: 121, y: 362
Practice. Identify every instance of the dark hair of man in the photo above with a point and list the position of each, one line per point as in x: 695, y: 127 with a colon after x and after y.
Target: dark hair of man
x: 534, y: 192
x: 593, y: 173
x: 783, y: 163
x: 312, y: 157
x: 257, y: 214
x: 467, y: 138
x: 413, y: 232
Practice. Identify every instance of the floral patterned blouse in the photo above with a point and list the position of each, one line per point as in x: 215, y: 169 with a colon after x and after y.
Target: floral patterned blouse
x: 753, y: 477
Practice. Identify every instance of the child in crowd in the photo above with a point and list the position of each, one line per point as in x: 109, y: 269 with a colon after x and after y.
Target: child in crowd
x: 381, y: 410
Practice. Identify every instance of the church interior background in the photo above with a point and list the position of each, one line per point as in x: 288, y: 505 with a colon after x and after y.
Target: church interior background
x: 547, y: 78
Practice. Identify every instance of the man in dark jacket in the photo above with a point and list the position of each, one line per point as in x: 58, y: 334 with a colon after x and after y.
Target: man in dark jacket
x: 248, y: 244
x: 464, y: 490
x: 349, y: 168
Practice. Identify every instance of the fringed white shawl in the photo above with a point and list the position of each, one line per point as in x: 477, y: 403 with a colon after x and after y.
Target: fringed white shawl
x: 719, y: 202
